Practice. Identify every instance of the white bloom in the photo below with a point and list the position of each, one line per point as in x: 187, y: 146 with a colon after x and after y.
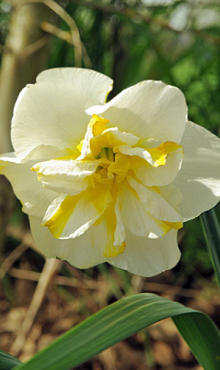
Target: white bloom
x: 109, y: 181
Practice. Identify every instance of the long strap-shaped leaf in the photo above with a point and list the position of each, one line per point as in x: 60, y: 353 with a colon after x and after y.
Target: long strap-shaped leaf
x: 7, y: 361
x: 120, y: 320
x: 211, y: 230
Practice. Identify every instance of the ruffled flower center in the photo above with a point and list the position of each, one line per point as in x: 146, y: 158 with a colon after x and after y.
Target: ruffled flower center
x: 115, y: 175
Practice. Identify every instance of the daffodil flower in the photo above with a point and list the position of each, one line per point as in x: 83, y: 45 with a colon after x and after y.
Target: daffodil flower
x: 109, y: 181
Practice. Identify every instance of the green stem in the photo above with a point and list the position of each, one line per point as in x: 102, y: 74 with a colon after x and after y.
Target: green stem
x: 211, y: 231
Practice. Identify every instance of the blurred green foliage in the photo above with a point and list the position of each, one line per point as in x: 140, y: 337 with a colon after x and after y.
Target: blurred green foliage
x: 177, y: 42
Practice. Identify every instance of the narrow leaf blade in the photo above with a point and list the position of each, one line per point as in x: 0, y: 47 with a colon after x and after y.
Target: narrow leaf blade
x: 200, y: 326
x: 212, y: 234
x: 7, y: 361
x: 122, y: 319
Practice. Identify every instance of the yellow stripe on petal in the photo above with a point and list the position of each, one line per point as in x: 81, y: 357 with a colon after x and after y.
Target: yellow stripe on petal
x: 163, y: 228
x: 159, y: 154
x: 112, y: 251
x: 88, y: 206
x: 175, y: 225
x: 73, y: 154
x: 113, y: 236
x: 166, y: 226
x: 80, y: 145
x: 58, y: 221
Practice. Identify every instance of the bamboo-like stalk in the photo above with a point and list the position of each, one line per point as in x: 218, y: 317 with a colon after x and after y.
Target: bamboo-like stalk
x: 23, y: 58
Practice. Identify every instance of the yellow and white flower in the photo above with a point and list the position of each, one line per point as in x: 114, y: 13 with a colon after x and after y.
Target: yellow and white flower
x: 109, y: 181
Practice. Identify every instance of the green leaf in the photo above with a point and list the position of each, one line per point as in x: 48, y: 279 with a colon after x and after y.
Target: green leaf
x: 7, y: 361
x: 212, y: 234
x: 122, y: 319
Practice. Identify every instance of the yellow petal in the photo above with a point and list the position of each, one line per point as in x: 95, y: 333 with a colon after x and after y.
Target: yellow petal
x: 119, y: 167
x: 111, y: 229
x: 98, y: 124
x: 159, y: 154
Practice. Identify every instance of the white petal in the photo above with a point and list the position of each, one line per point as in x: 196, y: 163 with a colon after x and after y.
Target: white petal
x: 149, y: 109
x: 116, y: 137
x: 148, y: 257
x: 34, y: 198
x: 45, y: 152
x: 137, y: 218
x: 77, y: 252
x: 8, y: 158
x: 162, y: 175
x: 140, y: 152
x: 154, y: 203
x: 172, y: 195
x: 65, y: 176
x: 199, y: 177
x: 52, y: 112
